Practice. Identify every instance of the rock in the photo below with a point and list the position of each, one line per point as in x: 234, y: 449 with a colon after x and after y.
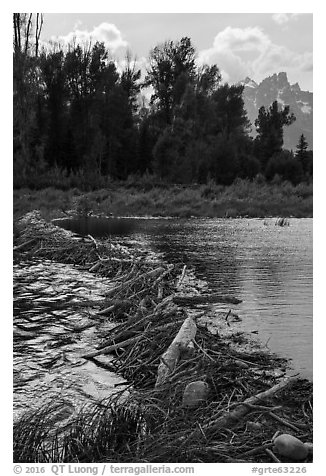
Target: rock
x: 194, y: 394
x: 291, y: 447
x: 241, y: 364
x: 309, y: 446
x: 254, y: 426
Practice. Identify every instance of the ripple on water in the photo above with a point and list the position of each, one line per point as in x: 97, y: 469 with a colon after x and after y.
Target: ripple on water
x: 50, y: 301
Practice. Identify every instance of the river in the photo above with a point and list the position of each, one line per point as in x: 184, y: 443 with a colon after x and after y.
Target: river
x: 268, y: 267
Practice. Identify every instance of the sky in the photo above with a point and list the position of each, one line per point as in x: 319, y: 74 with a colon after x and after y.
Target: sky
x: 256, y: 45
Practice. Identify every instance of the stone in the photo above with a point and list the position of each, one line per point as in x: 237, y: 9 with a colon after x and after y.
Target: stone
x: 291, y: 447
x: 195, y: 394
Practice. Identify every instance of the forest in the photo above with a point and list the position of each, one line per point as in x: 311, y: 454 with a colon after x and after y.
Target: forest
x: 78, y: 115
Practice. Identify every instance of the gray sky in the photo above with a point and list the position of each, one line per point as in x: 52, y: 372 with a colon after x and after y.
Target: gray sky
x: 241, y: 44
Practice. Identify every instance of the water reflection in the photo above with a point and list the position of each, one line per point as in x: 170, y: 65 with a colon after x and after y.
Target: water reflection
x: 98, y: 226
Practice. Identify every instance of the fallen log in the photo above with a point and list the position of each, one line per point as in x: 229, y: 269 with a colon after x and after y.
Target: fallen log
x: 230, y: 419
x: 172, y: 355
x: 188, y: 300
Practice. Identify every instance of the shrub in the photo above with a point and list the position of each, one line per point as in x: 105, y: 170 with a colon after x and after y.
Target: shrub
x: 286, y: 166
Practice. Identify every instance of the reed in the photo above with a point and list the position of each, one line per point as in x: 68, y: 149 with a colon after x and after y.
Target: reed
x: 243, y: 198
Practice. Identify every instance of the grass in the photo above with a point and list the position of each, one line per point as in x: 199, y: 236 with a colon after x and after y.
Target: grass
x: 241, y: 199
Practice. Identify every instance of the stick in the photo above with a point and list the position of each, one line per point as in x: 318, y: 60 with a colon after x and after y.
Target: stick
x: 95, y: 267
x: 256, y: 450
x: 231, y: 418
x: 184, y: 300
x: 182, y: 276
x: 271, y: 454
x: 24, y: 245
x: 127, y: 284
x: 284, y: 422
x: 110, y: 348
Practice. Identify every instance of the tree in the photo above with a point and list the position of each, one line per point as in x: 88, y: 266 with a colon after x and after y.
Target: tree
x: 55, y: 95
x: 27, y: 32
x: 302, y: 153
x: 208, y: 79
x: 130, y: 81
x: 284, y: 165
x: 230, y: 113
x: 26, y: 91
x: 269, y: 126
x: 172, y: 67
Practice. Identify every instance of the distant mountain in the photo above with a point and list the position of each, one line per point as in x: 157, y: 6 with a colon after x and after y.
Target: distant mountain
x: 277, y: 87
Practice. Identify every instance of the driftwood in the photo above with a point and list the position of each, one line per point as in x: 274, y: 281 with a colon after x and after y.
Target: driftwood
x: 172, y: 355
x: 182, y: 276
x: 271, y: 454
x: 121, y: 287
x: 133, y: 332
x: 188, y: 300
x: 111, y: 348
x: 24, y: 245
x: 230, y: 419
x: 122, y: 305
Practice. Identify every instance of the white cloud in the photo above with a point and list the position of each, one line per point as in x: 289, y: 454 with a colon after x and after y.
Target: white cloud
x: 241, y: 52
x: 240, y: 39
x: 283, y: 18
x: 105, y: 32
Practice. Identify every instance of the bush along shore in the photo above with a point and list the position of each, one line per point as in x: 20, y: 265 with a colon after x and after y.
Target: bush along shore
x: 148, y: 197
x: 191, y: 395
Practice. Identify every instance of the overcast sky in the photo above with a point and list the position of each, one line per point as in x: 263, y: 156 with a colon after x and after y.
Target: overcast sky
x: 241, y: 44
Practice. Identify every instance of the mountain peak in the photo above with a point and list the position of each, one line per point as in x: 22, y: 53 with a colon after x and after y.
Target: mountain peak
x: 276, y: 87
x: 279, y: 80
x: 249, y: 83
x: 295, y: 87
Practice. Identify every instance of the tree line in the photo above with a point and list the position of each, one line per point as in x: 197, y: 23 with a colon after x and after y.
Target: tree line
x: 74, y: 110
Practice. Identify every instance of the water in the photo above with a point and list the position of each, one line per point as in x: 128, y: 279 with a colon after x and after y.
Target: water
x: 269, y: 267
x: 98, y: 226
x: 52, y: 301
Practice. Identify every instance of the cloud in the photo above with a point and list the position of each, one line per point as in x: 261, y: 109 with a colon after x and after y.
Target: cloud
x: 241, y: 52
x: 240, y: 39
x: 283, y: 18
x: 105, y: 32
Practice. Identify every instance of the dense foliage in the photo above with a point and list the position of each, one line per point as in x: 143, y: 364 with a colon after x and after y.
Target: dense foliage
x: 76, y: 112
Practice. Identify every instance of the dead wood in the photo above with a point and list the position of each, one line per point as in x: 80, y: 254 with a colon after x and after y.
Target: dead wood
x: 171, y: 357
x: 189, y: 300
x: 124, y: 286
x: 230, y: 419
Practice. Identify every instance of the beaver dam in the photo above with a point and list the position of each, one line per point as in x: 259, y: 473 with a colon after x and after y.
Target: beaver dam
x: 192, y: 392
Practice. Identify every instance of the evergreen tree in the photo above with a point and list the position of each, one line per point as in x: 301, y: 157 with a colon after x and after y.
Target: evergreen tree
x: 269, y: 126
x: 302, y: 153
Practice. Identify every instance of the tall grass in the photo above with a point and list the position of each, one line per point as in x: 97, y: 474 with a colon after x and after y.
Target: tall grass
x: 131, y: 198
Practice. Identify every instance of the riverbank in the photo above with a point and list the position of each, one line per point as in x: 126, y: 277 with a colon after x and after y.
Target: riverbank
x: 243, y: 198
x: 153, y: 304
